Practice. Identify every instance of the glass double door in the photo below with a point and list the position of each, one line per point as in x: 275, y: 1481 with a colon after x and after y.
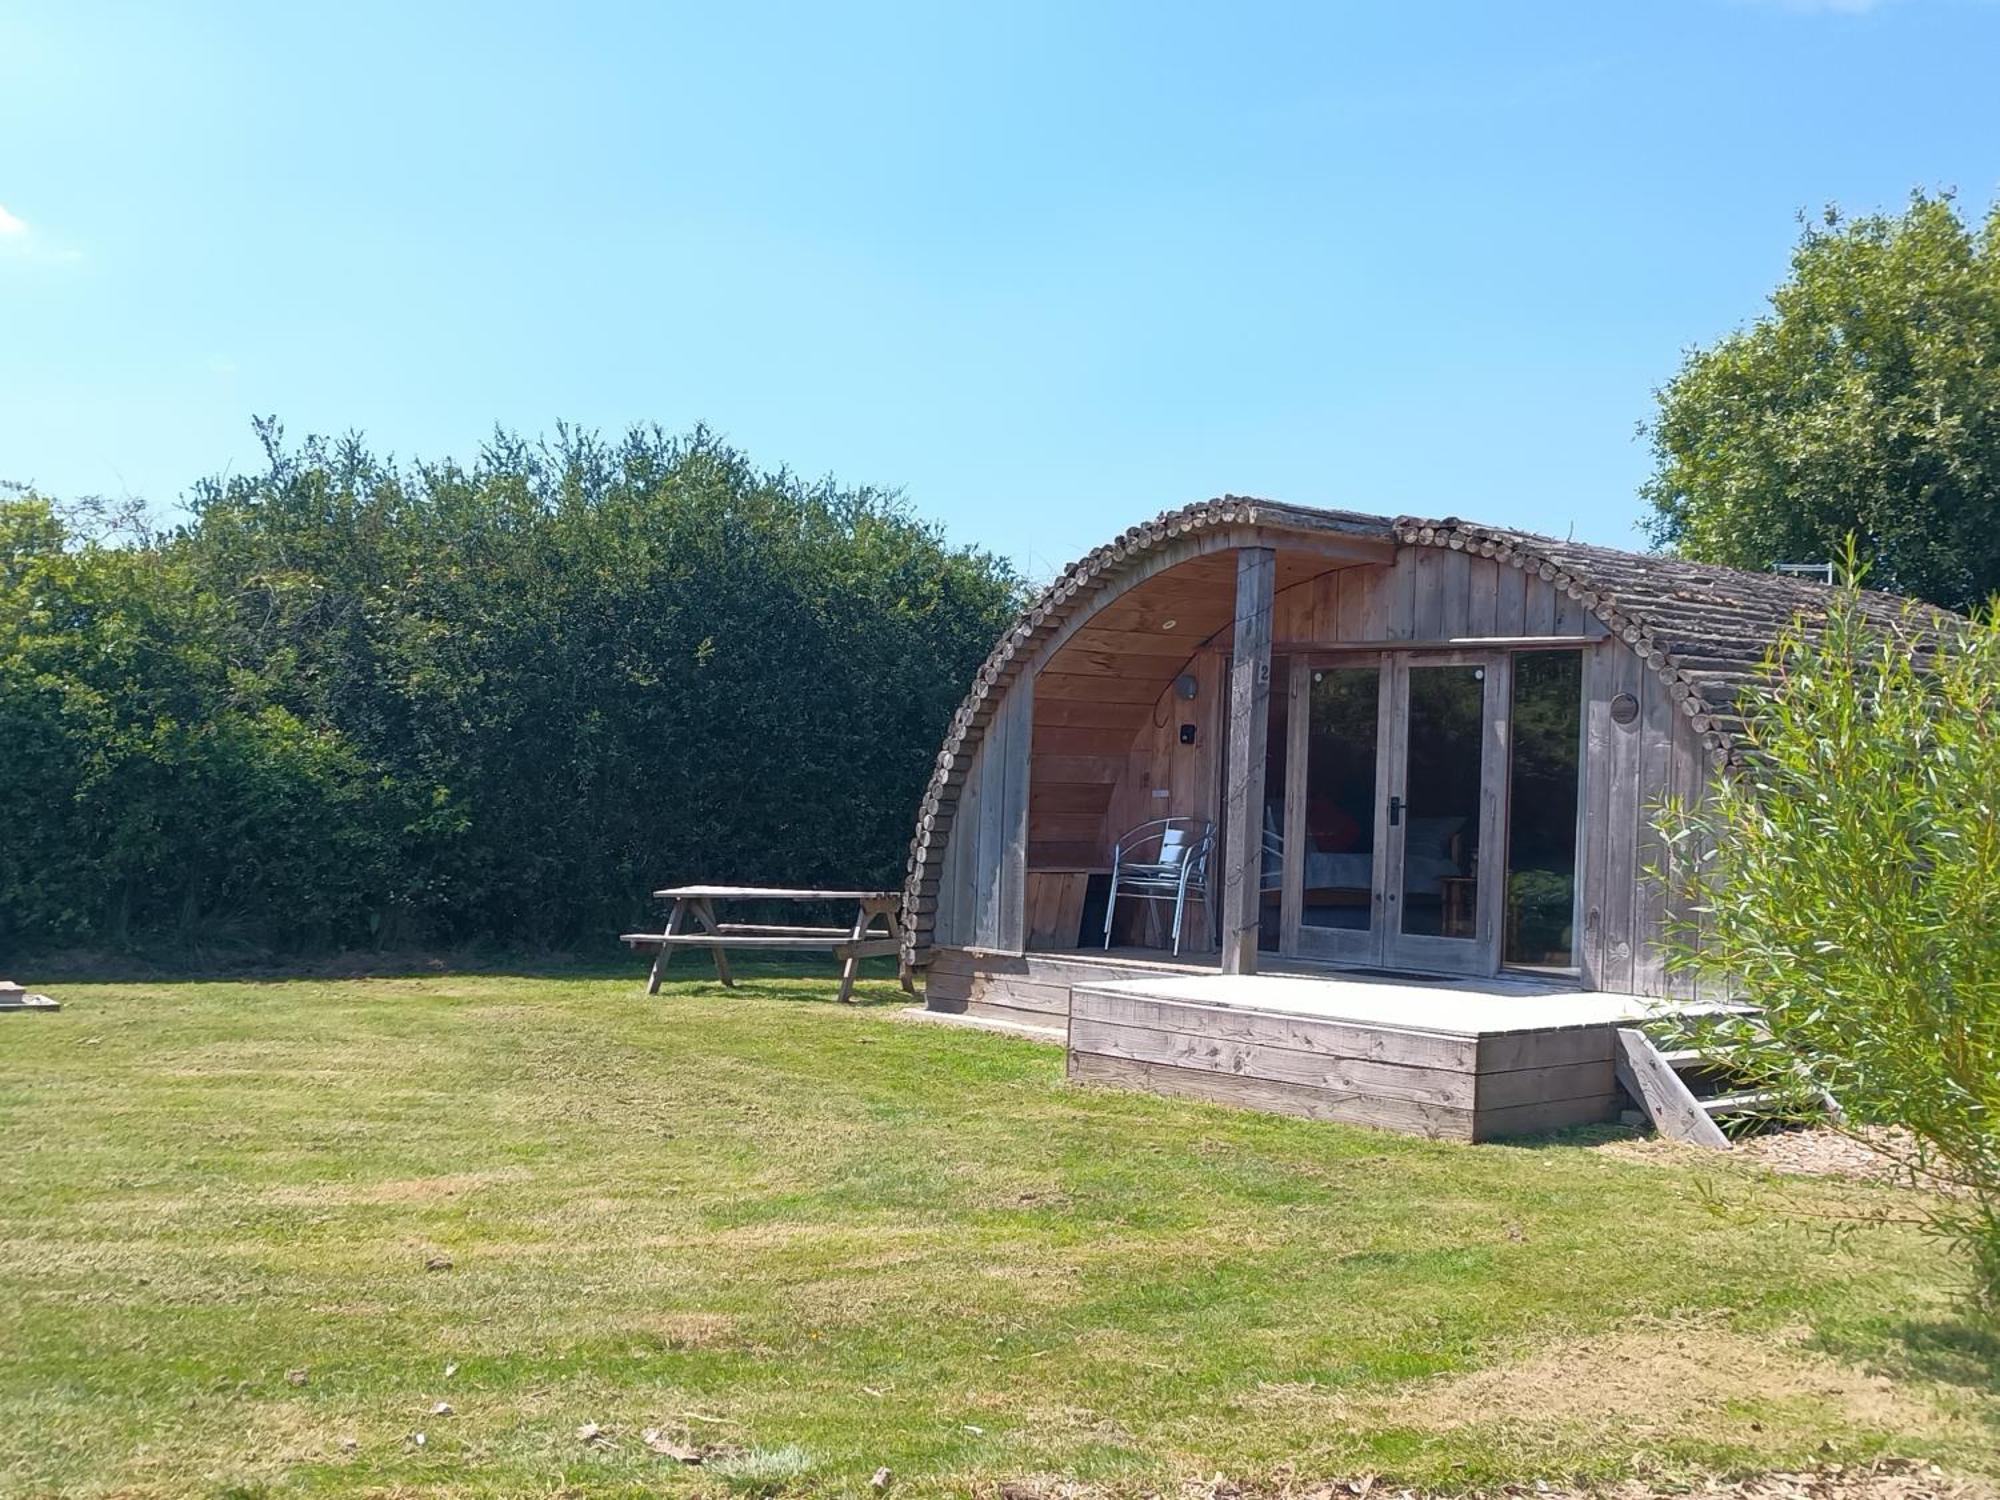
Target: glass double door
x: 1392, y: 794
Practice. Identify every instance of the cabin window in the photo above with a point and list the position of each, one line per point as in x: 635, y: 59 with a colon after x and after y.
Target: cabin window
x: 1339, y: 853
x: 1440, y: 812
x: 1546, y: 731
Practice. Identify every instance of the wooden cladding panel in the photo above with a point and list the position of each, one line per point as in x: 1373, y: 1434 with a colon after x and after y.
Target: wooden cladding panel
x: 1071, y: 798
x: 1075, y: 770
x: 1058, y: 685
x: 1062, y: 853
x: 1175, y: 643
x: 951, y: 922
x: 980, y: 898
x: 1425, y: 595
x: 1089, y: 714
x: 1055, y: 908
x: 1063, y: 741
x: 1031, y: 988
x: 1689, y: 778
x: 1438, y: 1122
x: 1630, y: 770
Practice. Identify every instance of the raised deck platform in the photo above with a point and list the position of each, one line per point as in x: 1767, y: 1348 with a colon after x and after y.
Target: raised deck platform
x: 1454, y: 1059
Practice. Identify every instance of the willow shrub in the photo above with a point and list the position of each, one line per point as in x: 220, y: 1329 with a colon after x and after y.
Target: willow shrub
x: 1847, y: 884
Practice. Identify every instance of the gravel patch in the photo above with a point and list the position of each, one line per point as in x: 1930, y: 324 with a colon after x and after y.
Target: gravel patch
x: 1809, y: 1151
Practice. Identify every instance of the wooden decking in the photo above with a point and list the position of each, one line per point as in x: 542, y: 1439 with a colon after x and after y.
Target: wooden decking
x: 1467, y: 1060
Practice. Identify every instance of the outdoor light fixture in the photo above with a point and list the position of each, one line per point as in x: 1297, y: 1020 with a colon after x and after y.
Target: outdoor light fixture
x: 1168, y: 624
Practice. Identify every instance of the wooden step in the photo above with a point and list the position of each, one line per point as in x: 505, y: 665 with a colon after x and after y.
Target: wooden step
x: 1756, y: 1101
x: 1662, y: 1092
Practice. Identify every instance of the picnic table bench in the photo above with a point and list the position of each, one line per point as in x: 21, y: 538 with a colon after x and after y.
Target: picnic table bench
x: 850, y: 944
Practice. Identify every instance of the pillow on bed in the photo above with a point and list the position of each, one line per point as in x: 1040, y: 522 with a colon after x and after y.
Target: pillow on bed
x: 1331, y: 827
x: 1430, y: 838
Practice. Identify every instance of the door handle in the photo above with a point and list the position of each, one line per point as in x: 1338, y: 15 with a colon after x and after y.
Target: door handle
x: 1395, y: 811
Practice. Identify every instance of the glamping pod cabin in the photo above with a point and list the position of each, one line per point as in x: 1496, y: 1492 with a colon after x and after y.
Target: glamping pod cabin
x: 1336, y: 747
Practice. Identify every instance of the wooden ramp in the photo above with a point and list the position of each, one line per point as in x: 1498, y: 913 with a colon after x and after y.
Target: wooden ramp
x: 1453, y: 1060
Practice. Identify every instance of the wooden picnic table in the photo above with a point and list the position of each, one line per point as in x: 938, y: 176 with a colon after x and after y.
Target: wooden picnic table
x: 849, y: 944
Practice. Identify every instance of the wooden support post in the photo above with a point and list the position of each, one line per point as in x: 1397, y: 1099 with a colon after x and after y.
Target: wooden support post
x: 1243, y: 801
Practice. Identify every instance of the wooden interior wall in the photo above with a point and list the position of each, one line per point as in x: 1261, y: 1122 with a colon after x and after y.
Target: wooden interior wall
x: 1097, y: 699
x: 1080, y: 804
x: 1162, y: 778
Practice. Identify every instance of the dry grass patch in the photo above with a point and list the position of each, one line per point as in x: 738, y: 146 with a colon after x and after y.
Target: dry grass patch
x: 688, y: 1330
x: 1885, y: 1480
x: 1635, y: 1388
x: 1640, y: 1384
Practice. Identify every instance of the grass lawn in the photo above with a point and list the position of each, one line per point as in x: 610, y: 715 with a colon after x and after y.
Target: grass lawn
x: 763, y: 1222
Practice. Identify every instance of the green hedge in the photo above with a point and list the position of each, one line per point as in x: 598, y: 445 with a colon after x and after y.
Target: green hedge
x: 359, y: 704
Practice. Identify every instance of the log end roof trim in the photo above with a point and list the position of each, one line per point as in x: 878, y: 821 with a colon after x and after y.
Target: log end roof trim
x: 1704, y: 630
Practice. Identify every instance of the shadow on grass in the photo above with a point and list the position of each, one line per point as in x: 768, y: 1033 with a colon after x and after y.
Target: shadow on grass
x: 1960, y: 1349
x: 769, y: 977
x: 1571, y: 1135
x: 1954, y: 1351
x: 780, y: 979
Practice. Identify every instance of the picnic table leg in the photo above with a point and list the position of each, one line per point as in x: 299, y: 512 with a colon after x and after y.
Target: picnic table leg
x: 705, y: 914
x: 850, y: 966
x: 676, y: 920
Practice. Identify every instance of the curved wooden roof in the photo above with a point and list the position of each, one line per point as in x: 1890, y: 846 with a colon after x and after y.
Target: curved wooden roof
x: 1704, y: 630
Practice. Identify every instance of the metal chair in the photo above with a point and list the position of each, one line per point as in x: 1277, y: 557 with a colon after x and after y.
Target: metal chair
x: 1164, y: 860
x: 1271, y: 869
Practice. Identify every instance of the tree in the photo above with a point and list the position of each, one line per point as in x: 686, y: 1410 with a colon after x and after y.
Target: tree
x: 1867, y: 402
x: 1847, y: 884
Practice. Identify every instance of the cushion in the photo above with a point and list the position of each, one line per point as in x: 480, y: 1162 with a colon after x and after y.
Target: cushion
x: 1430, y: 838
x: 1331, y: 827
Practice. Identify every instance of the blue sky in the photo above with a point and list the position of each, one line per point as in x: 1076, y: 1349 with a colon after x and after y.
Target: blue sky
x: 1048, y: 268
